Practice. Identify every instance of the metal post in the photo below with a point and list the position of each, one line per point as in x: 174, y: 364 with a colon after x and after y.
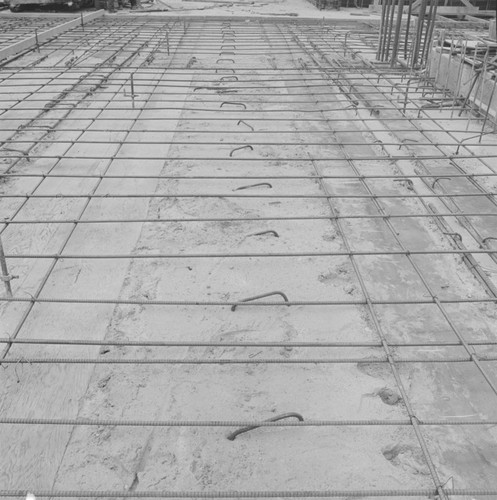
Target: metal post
x: 5, y: 277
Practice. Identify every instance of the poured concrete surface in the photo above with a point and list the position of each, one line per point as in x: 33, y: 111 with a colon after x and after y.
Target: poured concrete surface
x: 202, y: 459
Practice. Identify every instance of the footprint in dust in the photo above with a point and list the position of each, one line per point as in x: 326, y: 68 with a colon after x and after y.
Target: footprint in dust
x: 388, y: 396
x: 407, y: 457
x: 376, y: 370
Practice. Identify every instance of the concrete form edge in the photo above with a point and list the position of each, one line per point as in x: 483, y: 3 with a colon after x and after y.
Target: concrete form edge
x: 30, y: 42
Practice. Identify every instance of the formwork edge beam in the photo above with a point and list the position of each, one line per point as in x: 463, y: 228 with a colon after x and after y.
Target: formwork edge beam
x: 31, y: 42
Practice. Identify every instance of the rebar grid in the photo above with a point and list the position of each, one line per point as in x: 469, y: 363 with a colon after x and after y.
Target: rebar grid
x: 81, y: 213
x: 288, y: 38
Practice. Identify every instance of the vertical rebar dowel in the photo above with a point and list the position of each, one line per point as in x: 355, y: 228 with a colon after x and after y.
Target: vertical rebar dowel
x: 82, y: 22
x: 132, y: 91
x: 382, y: 30
x: 395, y: 47
x: 390, y: 29
x: 345, y: 43
x: 419, y: 33
x: 487, y: 114
x: 482, y: 81
x: 429, y: 20
x: 408, y: 28
x: 5, y: 272
x: 466, y: 99
x: 459, y: 78
x: 385, y: 33
x: 429, y: 33
x: 449, y: 65
x: 36, y: 40
x: 441, y: 39
x: 167, y: 42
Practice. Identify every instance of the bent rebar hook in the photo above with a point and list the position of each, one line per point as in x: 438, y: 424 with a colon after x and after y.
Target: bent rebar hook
x: 254, y: 185
x: 456, y: 236
x: 240, y: 148
x: 245, y: 123
x: 233, y: 103
x: 269, y: 231
x: 488, y: 238
x: 233, y: 435
x: 433, y: 184
x: 264, y: 295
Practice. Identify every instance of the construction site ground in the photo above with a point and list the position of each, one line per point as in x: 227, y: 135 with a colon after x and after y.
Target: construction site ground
x: 156, y: 171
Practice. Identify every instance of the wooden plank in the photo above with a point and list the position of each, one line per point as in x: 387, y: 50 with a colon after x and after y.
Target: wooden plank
x: 457, y: 11
x: 486, y: 22
x: 416, y: 5
x: 30, y: 42
x: 492, y: 32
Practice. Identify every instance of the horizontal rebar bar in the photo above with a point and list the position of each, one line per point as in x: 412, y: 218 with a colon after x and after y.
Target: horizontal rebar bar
x: 115, y: 142
x: 235, y: 361
x: 205, y: 303
x: 366, y: 177
x: 7, y: 220
x: 256, y: 159
x: 179, y: 343
x: 427, y: 492
x: 238, y: 423
x: 248, y: 195
x: 220, y: 255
